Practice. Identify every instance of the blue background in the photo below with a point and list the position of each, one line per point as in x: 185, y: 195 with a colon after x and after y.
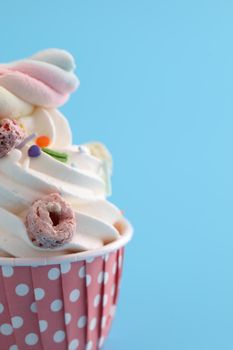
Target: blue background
x: 157, y: 88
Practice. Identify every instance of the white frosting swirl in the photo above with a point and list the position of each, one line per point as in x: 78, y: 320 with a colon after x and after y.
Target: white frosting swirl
x: 30, y: 91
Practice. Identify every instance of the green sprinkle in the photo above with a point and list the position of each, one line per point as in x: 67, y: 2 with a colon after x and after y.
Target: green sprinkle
x: 62, y: 157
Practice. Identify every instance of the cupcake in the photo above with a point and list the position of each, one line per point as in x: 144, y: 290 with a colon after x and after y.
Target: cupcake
x: 61, y: 241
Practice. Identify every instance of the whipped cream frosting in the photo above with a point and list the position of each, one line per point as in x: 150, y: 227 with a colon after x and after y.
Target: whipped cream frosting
x: 31, y: 90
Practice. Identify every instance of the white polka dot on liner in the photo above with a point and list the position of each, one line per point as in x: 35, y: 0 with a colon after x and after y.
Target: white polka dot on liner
x: 82, y: 272
x: 31, y: 339
x: 120, y: 261
x: 6, y: 329
x: 106, y: 277
x: 1, y: 308
x: 56, y: 305
x: 43, y: 325
x: 105, y: 299
x: 54, y: 274
x: 90, y: 260
x: 68, y: 318
x: 65, y: 267
x: 7, y: 271
x: 97, y: 300
x: 103, y: 321
x: 17, y: 322
x: 88, y: 280
x: 89, y: 345
x: 106, y: 257
x: 59, y: 336
x: 100, y: 277
x: 73, y: 345
x: 82, y: 322
x: 22, y: 289
x: 112, y: 310
x: 74, y: 295
x: 114, y: 268
x: 101, y: 342
x: 93, y: 324
x: 13, y: 347
x: 33, y: 307
x: 39, y: 293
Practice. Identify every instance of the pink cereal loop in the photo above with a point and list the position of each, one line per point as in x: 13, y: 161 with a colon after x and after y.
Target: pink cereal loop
x: 51, y: 222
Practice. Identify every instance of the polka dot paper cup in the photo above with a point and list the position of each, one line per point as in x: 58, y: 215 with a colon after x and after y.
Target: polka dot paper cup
x: 62, y: 303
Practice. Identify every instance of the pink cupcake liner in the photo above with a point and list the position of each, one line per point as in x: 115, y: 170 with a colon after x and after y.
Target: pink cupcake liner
x: 64, y: 305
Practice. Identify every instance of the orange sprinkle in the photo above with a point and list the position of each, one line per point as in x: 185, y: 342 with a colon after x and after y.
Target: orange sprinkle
x: 43, y: 141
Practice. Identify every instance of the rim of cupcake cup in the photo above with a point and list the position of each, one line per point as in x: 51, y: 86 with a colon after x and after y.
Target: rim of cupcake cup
x: 126, y: 235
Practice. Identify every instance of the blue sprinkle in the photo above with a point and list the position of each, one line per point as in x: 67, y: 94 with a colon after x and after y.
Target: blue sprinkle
x: 34, y: 151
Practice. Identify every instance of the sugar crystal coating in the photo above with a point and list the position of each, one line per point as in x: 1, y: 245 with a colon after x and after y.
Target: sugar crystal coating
x: 11, y: 135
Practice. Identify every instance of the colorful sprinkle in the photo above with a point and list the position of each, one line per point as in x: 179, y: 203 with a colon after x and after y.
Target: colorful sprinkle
x: 62, y: 157
x: 34, y: 151
x: 26, y: 140
x: 43, y: 141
